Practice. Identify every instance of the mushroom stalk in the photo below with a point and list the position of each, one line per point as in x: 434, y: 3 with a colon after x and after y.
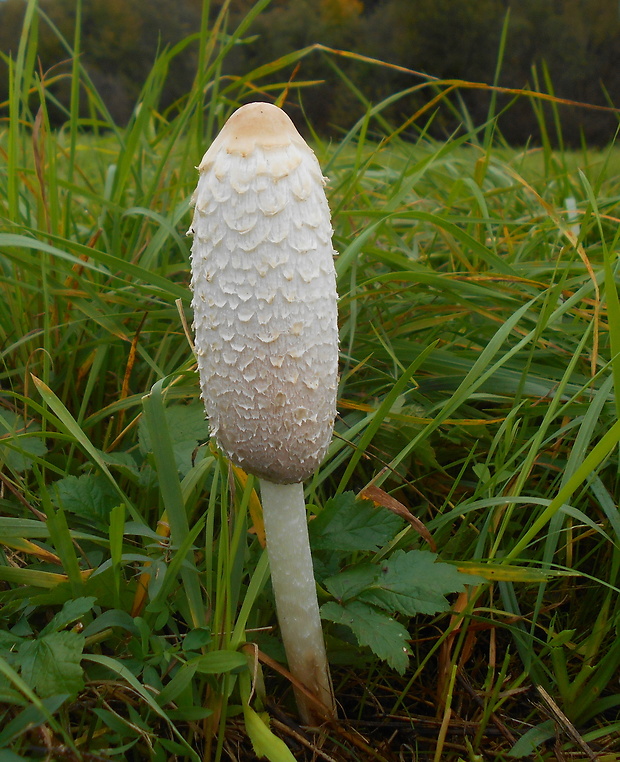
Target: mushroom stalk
x: 292, y: 578
x: 266, y: 335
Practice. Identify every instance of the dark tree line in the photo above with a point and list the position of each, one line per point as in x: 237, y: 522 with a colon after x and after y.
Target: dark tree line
x: 576, y: 41
x: 120, y: 40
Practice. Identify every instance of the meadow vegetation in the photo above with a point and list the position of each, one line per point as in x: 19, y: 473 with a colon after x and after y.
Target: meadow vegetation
x: 465, y: 521
x: 568, y: 46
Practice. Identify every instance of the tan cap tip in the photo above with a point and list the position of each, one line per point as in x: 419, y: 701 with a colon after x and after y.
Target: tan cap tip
x: 255, y: 124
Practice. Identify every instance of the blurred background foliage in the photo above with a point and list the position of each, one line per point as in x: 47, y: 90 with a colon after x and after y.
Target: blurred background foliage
x: 570, y: 47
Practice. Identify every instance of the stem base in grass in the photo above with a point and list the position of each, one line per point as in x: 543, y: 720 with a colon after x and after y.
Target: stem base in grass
x: 292, y: 578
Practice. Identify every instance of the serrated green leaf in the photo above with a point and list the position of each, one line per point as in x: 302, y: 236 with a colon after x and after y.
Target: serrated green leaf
x: 349, y: 524
x: 351, y: 582
x: 89, y: 495
x: 123, y: 461
x: 414, y: 583
x: 187, y: 427
x: 70, y: 612
x: 386, y: 637
x: 51, y: 664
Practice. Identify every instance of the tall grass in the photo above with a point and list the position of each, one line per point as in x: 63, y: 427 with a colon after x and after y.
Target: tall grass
x: 479, y: 338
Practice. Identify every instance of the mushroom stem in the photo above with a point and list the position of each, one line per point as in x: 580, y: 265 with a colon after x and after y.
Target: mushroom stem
x: 292, y: 578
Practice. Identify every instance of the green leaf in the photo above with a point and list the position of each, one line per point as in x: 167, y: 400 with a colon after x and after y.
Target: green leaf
x: 590, y: 463
x: 16, y: 446
x: 66, y: 422
x: 217, y: 662
x: 89, y: 495
x: 265, y: 743
x: 196, y: 639
x: 10, y: 756
x: 120, y: 669
x: 162, y: 431
x: 413, y: 583
x: 111, y: 618
x: 29, y: 718
x: 120, y: 725
x: 27, y: 528
x: 351, y: 582
x: 528, y: 743
x: 385, y: 636
x: 99, y: 585
x: 498, y: 572
x: 51, y: 664
x: 349, y: 524
x: 190, y: 714
x: 381, y: 413
x: 187, y: 427
x: 177, y: 685
x: 72, y: 611
x: 124, y: 462
x: 34, y: 577
x: 8, y: 640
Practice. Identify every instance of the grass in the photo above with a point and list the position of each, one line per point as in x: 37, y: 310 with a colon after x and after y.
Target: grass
x: 479, y: 341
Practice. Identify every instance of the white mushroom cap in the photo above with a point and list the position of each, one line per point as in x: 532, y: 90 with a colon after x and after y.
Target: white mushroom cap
x: 265, y: 298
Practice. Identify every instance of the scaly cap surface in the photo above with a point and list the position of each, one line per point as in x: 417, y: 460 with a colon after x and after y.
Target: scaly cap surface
x: 265, y: 303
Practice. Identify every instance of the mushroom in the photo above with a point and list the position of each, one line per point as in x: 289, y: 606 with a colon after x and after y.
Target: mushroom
x: 266, y: 338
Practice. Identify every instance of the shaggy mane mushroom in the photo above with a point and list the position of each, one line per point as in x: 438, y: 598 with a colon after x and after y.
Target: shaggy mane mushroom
x: 266, y: 336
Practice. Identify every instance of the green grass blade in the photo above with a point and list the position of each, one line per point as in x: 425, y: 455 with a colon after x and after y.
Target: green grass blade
x: 172, y: 493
